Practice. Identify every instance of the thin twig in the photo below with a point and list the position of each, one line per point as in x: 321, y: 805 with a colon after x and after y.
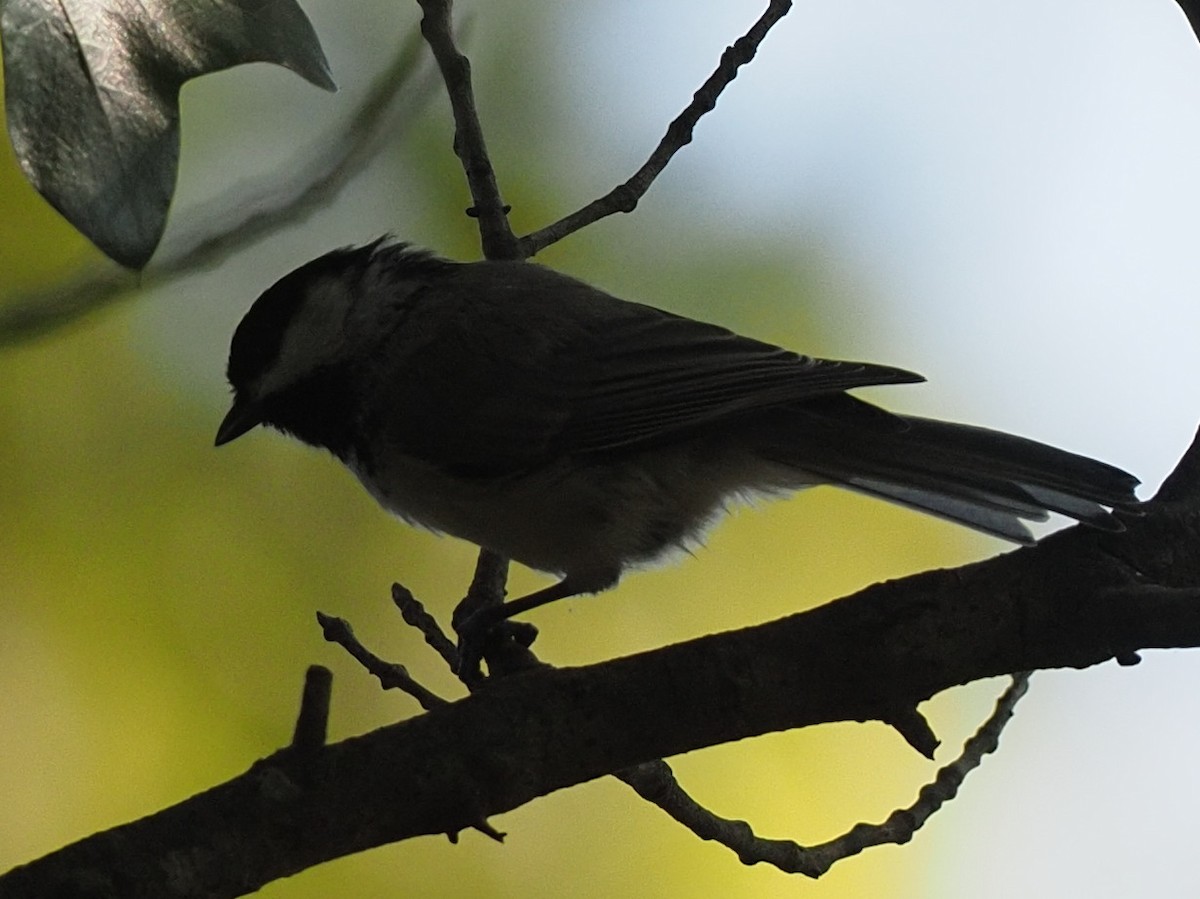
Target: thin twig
x: 498, y: 240
x: 212, y: 231
x: 391, y: 676
x: 414, y: 614
x: 625, y: 197
x: 655, y: 782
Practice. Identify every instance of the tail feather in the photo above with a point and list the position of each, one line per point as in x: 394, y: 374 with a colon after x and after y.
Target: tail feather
x: 1029, y: 461
x: 977, y: 512
x: 984, y: 479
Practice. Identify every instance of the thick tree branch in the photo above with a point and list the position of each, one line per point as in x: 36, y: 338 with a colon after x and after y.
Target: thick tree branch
x: 1077, y: 598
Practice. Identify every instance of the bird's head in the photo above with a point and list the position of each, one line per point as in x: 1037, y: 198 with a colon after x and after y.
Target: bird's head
x: 306, y: 331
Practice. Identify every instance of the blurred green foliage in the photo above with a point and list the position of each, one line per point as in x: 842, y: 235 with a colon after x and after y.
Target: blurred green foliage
x: 159, y: 595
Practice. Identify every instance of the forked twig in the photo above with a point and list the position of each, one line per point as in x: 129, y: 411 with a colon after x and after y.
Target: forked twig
x: 655, y: 782
x: 625, y: 197
x: 391, y: 676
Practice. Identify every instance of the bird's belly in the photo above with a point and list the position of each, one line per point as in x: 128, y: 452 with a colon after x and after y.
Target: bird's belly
x: 588, y: 518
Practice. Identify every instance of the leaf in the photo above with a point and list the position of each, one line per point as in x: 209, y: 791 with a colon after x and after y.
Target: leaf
x: 92, y: 90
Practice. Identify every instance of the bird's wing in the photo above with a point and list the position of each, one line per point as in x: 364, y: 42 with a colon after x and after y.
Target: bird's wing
x: 544, y: 366
x: 649, y: 374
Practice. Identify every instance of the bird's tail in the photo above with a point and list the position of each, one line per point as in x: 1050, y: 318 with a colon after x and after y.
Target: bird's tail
x: 984, y: 479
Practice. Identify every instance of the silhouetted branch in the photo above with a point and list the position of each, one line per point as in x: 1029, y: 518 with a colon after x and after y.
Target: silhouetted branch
x: 625, y: 197
x: 1077, y: 598
x: 414, y: 615
x: 655, y: 782
x: 312, y: 724
x: 498, y: 239
x: 391, y: 676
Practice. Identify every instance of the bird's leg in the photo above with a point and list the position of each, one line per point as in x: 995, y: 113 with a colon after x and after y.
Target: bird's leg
x: 474, y: 631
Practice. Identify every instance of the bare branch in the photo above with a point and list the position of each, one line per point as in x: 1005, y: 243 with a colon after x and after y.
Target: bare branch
x: 625, y: 197
x: 1077, y: 598
x: 391, y: 676
x: 498, y: 240
x: 903, y: 823
x: 414, y: 614
x: 656, y: 783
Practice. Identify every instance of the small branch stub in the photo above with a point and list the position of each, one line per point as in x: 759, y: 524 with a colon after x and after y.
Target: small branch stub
x: 312, y: 724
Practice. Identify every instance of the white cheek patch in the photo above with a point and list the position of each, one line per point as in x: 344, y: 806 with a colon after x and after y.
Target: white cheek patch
x: 315, y: 337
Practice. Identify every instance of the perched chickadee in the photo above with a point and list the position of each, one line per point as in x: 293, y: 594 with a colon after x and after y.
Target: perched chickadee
x: 582, y: 435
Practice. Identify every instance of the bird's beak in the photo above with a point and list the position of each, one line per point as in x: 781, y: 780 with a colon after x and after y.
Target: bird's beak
x: 244, y: 416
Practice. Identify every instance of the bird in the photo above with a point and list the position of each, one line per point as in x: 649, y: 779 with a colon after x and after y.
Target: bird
x: 583, y: 435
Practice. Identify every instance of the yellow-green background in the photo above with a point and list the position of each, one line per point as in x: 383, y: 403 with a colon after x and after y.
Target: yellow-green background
x: 158, y: 595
